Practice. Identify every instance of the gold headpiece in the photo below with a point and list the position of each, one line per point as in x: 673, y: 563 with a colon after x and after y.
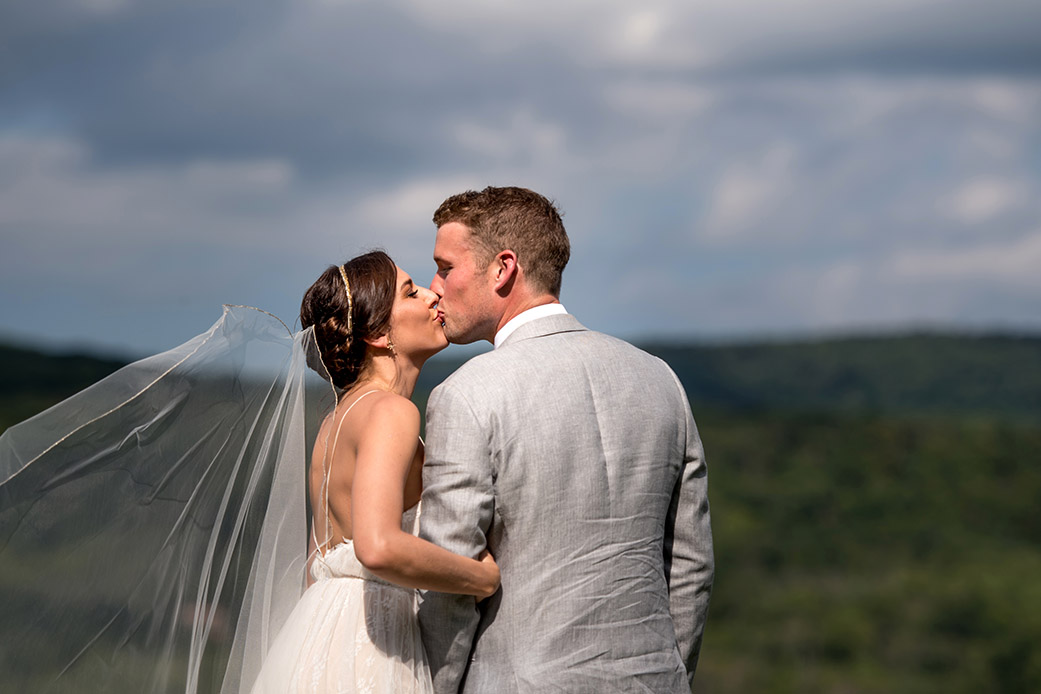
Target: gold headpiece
x: 350, y: 300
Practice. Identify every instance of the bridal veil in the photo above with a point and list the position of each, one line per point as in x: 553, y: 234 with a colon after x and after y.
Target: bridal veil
x: 153, y: 528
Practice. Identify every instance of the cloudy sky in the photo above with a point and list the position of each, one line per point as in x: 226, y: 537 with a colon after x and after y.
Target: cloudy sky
x: 726, y: 168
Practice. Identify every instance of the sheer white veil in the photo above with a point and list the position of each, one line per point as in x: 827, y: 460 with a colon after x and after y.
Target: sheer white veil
x: 153, y: 528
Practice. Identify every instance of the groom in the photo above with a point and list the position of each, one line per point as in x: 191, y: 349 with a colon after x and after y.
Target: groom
x: 573, y: 457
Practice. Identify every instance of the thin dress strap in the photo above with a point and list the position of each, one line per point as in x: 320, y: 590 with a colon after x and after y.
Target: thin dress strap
x: 326, y: 470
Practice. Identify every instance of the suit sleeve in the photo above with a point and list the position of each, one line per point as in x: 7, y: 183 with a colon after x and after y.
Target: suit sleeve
x: 456, y: 514
x: 689, y: 564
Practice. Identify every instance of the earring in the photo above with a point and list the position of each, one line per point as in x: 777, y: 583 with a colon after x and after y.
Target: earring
x: 390, y: 346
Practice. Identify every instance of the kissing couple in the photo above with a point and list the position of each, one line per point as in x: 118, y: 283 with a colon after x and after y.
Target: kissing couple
x: 552, y: 534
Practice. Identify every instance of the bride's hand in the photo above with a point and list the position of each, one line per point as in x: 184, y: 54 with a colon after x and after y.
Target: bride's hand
x: 490, y: 571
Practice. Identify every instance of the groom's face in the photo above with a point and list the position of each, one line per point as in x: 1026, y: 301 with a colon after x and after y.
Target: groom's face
x: 466, y: 289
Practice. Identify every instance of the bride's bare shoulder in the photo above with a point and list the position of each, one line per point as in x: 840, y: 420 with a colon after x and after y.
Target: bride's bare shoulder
x: 391, y: 409
x: 377, y: 415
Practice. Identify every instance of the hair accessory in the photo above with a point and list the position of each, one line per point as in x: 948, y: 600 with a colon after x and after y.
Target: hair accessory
x: 350, y: 300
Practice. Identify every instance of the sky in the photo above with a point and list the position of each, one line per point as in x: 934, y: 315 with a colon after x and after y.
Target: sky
x: 732, y: 169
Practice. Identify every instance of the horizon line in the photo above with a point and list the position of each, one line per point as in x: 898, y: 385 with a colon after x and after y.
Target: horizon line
x: 71, y: 348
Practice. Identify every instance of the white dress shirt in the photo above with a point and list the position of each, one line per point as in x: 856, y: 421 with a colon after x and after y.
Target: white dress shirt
x: 526, y: 317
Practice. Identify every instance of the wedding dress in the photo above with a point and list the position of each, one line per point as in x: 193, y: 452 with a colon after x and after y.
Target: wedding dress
x: 351, y: 632
x: 153, y: 534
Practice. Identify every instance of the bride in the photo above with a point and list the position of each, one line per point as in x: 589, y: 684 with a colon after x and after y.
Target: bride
x: 153, y: 528
x: 355, y: 629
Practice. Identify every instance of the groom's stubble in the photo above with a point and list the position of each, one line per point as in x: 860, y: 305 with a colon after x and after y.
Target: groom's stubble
x: 463, y: 284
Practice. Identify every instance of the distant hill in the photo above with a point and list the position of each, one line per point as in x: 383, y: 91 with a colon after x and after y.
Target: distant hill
x: 998, y: 375
x: 870, y: 553
x: 991, y: 375
x: 24, y: 370
x: 31, y: 381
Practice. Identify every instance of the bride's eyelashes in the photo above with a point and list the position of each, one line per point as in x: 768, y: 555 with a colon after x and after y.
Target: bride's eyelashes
x: 409, y: 288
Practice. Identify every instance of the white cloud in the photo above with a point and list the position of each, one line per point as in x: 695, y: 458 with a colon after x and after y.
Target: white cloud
x: 820, y: 165
x: 670, y: 33
x: 659, y: 102
x: 524, y: 138
x: 744, y: 193
x: 1015, y: 264
x: 1007, y: 99
x: 103, y: 226
x: 760, y: 35
x: 983, y: 199
x: 254, y: 176
x: 641, y: 29
x: 967, y: 286
x: 992, y: 144
x: 54, y: 190
x: 407, y: 208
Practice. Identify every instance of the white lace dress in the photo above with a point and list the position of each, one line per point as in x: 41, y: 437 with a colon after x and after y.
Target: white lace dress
x: 350, y: 632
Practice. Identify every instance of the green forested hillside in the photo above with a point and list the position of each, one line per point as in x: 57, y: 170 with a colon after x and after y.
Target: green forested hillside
x: 875, y: 506
x: 873, y: 554
x: 32, y: 381
x: 998, y: 375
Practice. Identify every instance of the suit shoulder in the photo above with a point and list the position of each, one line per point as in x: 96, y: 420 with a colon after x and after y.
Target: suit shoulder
x: 652, y: 368
x: 472, y: 372
x: 630, y: 351
x: 558, y: 350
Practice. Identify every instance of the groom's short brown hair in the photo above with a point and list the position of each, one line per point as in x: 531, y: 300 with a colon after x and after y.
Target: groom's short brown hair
x: 517, y: 219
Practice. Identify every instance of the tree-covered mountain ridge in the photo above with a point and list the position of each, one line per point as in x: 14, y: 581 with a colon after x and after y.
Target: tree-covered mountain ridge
x: 859, y: 546
x: 936, y: 373
x: 900, y: 374
x: 997, y: 374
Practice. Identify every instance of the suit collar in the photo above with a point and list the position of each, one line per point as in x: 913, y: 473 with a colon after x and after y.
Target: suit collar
x: 540, y: 327
x: 533, y: 313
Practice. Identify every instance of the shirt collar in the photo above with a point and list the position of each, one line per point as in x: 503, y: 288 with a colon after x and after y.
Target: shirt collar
x: 526, y: 317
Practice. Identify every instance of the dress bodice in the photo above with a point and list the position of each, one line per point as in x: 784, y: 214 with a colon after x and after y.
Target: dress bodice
x: 351, y: 631
x: 340, y: 561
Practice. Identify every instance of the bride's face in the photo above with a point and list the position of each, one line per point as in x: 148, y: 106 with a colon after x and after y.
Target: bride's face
x: 416, y: 325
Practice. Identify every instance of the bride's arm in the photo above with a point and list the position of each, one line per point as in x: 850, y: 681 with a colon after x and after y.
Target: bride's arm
x: 384, y: 457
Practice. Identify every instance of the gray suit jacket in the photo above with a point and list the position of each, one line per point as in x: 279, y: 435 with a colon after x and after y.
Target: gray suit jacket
x: 574, y: 458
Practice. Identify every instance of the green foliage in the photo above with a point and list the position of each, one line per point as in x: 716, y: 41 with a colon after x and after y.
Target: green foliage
x: 873, y: 554
x: 935, y: 373
x: 30, y: 382
x: 874, y: 503
x: 997, y: 375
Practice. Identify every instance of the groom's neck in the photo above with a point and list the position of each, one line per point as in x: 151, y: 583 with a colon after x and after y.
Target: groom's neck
x: 519, y: 306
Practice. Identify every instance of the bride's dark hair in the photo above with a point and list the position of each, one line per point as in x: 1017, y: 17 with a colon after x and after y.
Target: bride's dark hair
x: 340, y: 340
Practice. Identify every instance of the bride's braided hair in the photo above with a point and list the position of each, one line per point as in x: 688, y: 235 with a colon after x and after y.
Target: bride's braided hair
x: 342, y: 324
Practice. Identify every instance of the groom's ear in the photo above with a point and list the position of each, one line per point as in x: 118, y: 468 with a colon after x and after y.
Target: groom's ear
x: 505, y: 269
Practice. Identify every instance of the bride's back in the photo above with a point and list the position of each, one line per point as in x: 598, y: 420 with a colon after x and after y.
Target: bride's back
x: 331, y: 480
x: 332, y: 472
